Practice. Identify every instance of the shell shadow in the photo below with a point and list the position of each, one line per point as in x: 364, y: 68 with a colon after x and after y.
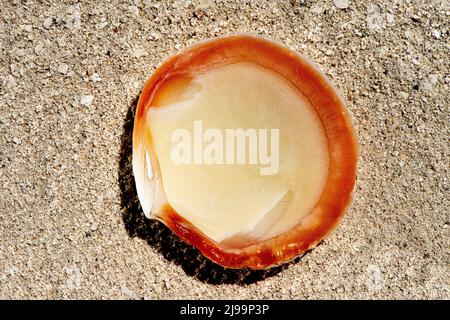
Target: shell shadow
x: 162, y: 239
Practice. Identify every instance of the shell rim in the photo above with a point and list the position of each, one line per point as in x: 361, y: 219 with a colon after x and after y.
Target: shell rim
x: 267, y: 253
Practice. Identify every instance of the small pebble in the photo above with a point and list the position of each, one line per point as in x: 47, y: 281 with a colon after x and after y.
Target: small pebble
x: 133, y: 9
x: 433, y: 78
x: 60, y: 41
x: 437, y: 34
x: 9, y: 82
x: 390, y: 18
x: 427, y: 86
x: 374, y: 18
x: 103, y: 23
x: 73, y: 21
x: 39, y: 48
x: 13, y: 270
x: 127, y: 291
x: 373, y: 8
x: 404, y: 95
x: 409, y: 34
x: 13, y: 68
x: 154, y: 36
x: 63, y: 68
x: 90, y: 70
x: 16, y: 140
x: 86, y: 100
x: 341, y: 4
x: 28, y: 28
x: 95, y: 78
x: 48, y: 23
x: 138, y: 53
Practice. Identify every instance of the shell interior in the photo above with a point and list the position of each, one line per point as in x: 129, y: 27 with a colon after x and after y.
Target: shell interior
x: 230, y: 202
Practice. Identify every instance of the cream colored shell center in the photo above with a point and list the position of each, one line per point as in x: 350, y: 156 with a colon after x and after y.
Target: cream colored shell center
x: 234, y: 200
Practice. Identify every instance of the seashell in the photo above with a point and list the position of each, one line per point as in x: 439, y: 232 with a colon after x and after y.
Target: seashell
x: 244, y: 150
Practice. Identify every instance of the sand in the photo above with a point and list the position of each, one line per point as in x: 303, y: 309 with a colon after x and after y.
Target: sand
x: 70, y: 223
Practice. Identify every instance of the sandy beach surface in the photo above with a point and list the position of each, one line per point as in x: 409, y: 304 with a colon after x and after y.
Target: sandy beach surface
x: 70, y: 75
